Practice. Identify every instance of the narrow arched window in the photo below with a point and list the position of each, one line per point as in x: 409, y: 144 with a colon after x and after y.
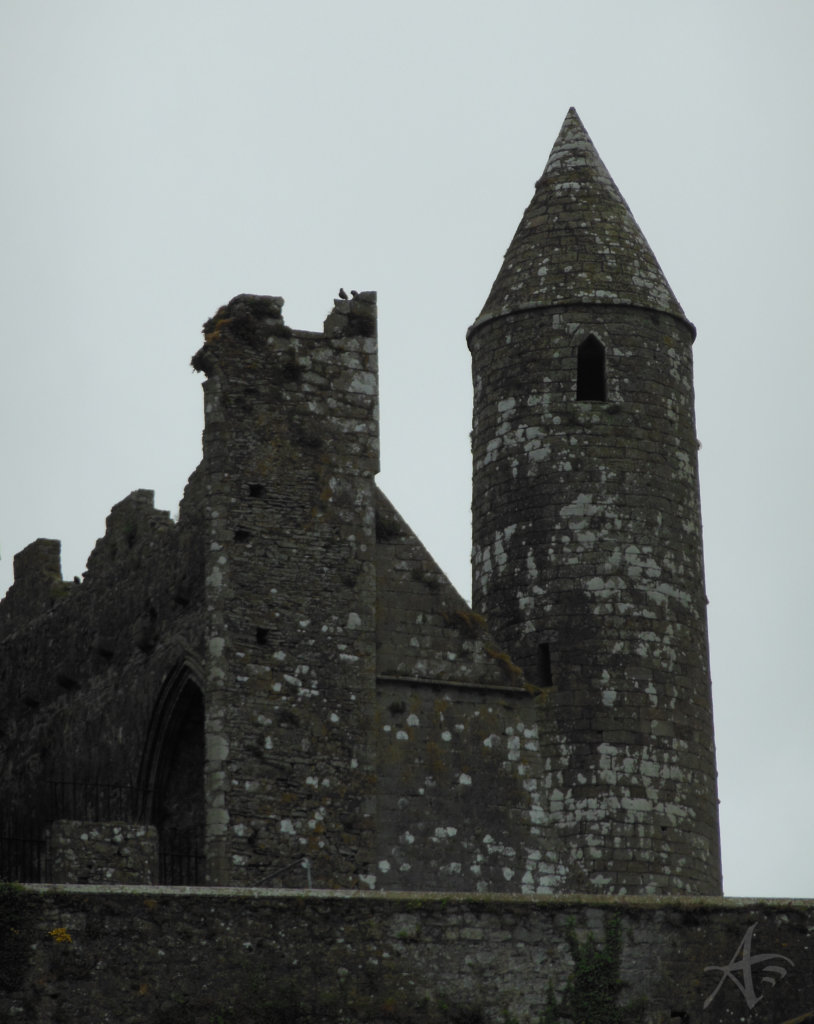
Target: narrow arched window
x: 591, y: 381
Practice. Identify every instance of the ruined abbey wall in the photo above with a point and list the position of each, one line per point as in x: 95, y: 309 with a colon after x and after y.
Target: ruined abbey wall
x: 283, y: 685
x: 83, y: 663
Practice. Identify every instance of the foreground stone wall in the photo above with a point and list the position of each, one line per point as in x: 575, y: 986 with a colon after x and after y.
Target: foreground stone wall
x: 96, y: 954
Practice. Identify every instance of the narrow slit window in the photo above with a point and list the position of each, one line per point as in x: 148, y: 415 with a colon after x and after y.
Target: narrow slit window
x: 591, y: 380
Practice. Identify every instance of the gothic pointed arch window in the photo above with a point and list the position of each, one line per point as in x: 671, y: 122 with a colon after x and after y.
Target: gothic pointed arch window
x: 173, y: 774
x: 591, y: 376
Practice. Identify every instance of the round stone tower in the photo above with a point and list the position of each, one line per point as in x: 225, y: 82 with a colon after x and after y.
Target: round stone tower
x: 587, y: 557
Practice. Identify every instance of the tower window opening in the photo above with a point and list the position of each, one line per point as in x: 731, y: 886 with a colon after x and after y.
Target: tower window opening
x: 544, y: 664
x: 591, y: 379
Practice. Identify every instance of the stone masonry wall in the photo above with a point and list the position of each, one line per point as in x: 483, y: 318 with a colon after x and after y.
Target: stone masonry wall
x: 459, y: 803
x: 290, y: 455
x: 111, y: 852
x: 150, y: 956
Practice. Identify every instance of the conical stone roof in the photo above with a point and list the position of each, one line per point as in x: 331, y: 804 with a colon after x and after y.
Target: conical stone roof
x: 578, y: 241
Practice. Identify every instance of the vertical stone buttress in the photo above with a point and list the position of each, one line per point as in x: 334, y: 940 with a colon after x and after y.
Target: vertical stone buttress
x: 587, y: 555
x: 290, y: 455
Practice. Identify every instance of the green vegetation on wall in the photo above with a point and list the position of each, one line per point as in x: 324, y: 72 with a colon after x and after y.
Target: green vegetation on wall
x: 591, y: 994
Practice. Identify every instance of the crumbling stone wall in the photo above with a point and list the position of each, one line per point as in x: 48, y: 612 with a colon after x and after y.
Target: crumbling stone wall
x: 82, y: 663
x: 290, y: 454
x: 154, y: 955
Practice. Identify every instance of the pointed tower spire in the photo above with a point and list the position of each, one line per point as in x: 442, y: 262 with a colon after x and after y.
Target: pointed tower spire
x: 578, y: 242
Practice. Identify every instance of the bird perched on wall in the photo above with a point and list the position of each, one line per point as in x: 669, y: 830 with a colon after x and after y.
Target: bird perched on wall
x: 342, y: 293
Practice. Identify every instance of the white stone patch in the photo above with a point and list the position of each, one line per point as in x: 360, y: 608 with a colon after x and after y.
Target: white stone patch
x: 287, y: 827
x: 402, y: 735
x: 217, y: 747
x: 445, y: 832
x: 464, y: 779
x: 354, y: 620
x: 363, y: 383
x: 384, y: 866
x: 334, y: 717
x: 607, y: 752
x: 541, y: 454
x: 446, y: 736
x: 413, y: 719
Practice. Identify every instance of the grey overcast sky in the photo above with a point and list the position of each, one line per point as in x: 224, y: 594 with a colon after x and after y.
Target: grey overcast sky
x: 160, y: 157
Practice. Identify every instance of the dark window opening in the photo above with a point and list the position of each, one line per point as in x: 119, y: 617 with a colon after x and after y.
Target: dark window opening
x: 262, y: 635
x: 591, y: 381
x: 544, y: 664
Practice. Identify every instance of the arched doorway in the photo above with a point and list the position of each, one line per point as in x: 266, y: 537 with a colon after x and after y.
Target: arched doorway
x: 174, y: 760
